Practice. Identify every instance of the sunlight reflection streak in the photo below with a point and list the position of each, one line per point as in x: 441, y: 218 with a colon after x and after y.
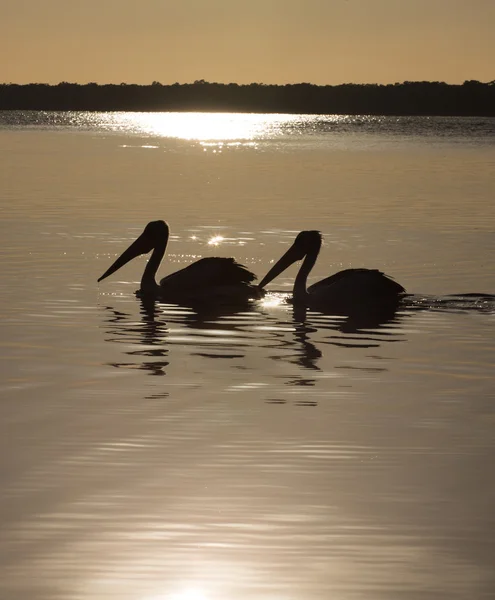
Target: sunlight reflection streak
x: 203, y: 126
x: 187, y: 594
x: 215, y: 240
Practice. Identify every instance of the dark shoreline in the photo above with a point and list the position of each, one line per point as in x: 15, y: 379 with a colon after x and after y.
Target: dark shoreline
x: 472, y: 98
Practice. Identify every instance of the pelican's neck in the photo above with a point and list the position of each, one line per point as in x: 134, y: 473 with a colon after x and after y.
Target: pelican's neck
x: 148, y: 282
x: 299, y: 291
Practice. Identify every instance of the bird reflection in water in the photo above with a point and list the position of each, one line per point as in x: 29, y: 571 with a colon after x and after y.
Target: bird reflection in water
x: 360, y: 330
x: 356, y: 331
x: 211, y: 336
x: 307, y: 357
x: 161, y: 332
x: 308, y: 354
x: 151, y: 333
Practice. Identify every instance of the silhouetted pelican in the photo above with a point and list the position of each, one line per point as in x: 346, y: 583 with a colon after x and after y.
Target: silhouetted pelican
x: 205, y: 281
x: 346, y: 292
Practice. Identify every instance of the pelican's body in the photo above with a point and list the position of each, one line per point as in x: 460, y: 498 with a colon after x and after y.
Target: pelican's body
x: 346, y: 292
x: 205, y: 281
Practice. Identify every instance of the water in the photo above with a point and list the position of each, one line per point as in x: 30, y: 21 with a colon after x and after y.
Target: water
x: 151, y: 453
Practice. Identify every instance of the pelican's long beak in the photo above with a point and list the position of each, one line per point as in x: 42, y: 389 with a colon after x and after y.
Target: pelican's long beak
x: 292, y: 255
x: 142, y: 245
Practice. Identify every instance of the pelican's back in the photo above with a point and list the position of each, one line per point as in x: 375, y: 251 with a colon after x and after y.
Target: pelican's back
x: 353, y: 289
x: 209, y: 279
x: 363, y: 279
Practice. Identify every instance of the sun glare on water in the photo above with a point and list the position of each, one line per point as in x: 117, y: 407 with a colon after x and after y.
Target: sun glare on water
x: 216, y: 240
x: 271, y: 300
x: 188, y: 594
x: 200, y: 126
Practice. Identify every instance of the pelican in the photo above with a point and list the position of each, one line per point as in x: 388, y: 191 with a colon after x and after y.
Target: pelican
x: 207, y: 280
x: 347, y: 292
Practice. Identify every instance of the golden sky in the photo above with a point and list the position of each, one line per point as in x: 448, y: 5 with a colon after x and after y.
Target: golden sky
x: 244, y: 41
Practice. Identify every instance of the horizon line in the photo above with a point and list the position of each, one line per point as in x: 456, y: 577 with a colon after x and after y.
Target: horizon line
x: 205, y: 82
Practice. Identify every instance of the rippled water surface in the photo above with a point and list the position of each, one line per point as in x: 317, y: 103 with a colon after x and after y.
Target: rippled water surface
x: 148, y: 452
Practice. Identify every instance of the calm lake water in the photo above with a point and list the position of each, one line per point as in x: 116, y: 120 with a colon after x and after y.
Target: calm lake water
x: 151, y: 453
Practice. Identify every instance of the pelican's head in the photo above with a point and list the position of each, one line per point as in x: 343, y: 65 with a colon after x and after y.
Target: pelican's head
x: 306, y: 242
x: 154, y: 233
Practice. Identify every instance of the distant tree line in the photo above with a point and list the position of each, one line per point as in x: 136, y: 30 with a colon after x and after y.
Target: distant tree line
x: 472, y: 98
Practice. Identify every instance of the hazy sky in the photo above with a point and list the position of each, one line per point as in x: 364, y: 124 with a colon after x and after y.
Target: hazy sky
x: 270, y: 41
